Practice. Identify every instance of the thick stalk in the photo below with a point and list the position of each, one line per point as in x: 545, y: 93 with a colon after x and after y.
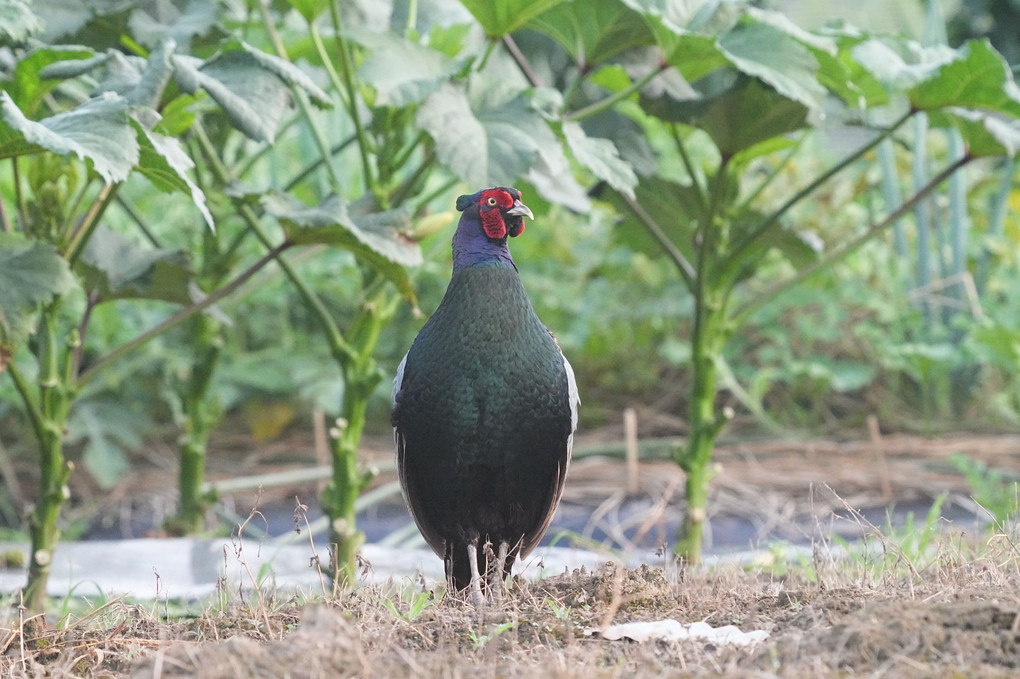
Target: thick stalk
x: 361, y: 377
x: 201, y: 414
x: 55, y: 398
x: 709, y: 336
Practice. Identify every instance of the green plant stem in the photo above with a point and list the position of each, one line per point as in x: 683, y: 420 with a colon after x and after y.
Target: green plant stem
x: 303, y: 174
x: 772, y: 175
x: 443, y: 189
x: 302, y: 99
x: 5, y: 226
x: 90, y: 221
x: 687, y: 272
x: 55, y: 397
x: 347, y: 85
x: 361, y: 377
x: 139, y: 221
x: 996, y: 221
x: 521, y: 61
x: 611, y: 100
x: 849, y: 247
x: 200, y: 416
x: 31, y: 405
x: 339, y: 348
x: 181, y: 316
x: 708, y: 337
x: 688, y: 164
x: 735, y: 259
x: 489, y: 49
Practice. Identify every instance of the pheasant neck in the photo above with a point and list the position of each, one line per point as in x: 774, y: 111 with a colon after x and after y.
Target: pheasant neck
x: 472, y: 247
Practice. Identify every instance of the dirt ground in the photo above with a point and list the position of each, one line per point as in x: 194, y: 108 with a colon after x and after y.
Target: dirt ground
x: 954, y: 612
x: 893, y: 605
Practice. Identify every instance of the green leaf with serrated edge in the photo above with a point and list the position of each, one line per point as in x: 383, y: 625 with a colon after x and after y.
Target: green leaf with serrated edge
x: 554, y: 181
x: 491, y: 137
x: 739, y: 117
x: 984, y: 134
x: 766, y: 52
x: 499, y: 17
x: 847, y: 79
x: 978, y: 78
x: 148, y: 90
x: 114, y: 266
x: 287, y: 71
x: 99, y: 130
x: 375, y: 238
x: 31, y: 273
x: 166, y: 165
x: 601, y: 158
x: 253, y: 98
x: 27, y: 86
x: 593, y: 33
x: 18, y: 22
x: 901, y: 66
x: 402, y: 72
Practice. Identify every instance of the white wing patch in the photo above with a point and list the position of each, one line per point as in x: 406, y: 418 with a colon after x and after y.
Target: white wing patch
x: 575, y: 398
x: 398, y: 379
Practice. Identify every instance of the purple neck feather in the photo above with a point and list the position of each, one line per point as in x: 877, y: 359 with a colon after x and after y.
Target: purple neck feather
x: 471, y: 246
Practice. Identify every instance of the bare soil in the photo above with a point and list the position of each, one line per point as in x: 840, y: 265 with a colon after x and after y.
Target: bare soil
x: 951, y: 609
x: 957, y: 614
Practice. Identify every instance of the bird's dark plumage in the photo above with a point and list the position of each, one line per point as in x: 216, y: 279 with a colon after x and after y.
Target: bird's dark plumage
x: 484, y: 404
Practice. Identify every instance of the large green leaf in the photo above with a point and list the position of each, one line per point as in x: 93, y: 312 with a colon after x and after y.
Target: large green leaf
x: 601, y: 158
x: 742, y: 115
x: 377, y: 238
x: 695, y: 56
x: 499, y: 17
x: 18, y: 22
x: 99, y: 130
x: 402, y: 72
x: 769, y: 53
x: 978, y: 78
x: 114, y: 266
x: 489, y: 135
x: 252, y: 88
x: 686, y: 32
x: 984, y: 134
x: 252, y: 98
x: 286, y: 71
x: 166, y: 165
x: 28, y: 85
x: 31, y: 273
x: 594, y: 32
x: 901, y: 66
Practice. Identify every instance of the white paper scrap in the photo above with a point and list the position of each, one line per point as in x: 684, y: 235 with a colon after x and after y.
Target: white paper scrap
x: 673, y: 630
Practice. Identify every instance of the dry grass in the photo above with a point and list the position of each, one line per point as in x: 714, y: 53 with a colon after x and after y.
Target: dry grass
x: 949, y: 609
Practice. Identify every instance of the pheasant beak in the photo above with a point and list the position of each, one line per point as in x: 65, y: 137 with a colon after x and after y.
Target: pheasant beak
x: 519, y: 209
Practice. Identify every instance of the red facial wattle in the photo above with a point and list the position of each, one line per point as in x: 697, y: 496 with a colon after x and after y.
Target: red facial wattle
x: 492, y: 223
x: 495, y: 205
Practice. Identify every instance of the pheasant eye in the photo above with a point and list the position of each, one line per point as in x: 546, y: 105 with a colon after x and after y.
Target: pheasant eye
x: 491, y: 200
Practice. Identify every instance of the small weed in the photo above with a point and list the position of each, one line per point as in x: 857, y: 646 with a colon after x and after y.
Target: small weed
x: 998, y: 495
x: 419, y: 601
x: 561, y: 612
x: 479, y: 641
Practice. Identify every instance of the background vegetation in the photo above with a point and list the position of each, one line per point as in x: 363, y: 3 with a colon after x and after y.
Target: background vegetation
x: 341, y: 136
